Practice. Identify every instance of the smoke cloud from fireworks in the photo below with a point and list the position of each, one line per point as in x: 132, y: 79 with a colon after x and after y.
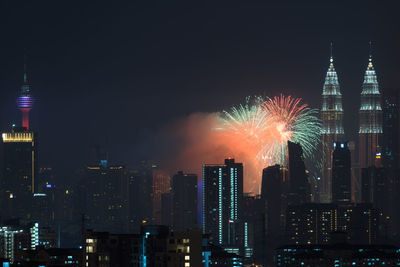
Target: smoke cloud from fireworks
x: 255, y: 133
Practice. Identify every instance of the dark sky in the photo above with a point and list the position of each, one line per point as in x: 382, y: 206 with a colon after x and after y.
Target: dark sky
x: 114, y: 73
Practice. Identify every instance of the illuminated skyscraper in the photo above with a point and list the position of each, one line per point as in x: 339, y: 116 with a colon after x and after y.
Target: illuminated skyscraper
x: 222, y: 202
x: 370, y: 120
x: 332, y: 126
x: 20, y: 171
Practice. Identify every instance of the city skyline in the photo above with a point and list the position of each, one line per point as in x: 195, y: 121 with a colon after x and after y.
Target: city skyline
x: 183, y: 135
x: 71, y: 95
x: 25, y: 102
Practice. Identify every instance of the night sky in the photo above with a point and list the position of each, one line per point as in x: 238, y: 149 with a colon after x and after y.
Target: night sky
x: 115, y: 74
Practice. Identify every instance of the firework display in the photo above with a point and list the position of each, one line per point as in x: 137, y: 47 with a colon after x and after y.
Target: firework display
x: 265, y: 126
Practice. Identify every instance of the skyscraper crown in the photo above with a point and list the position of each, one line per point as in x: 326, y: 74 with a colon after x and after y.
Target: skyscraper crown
x: 331, y: 85
x: 370, y: 85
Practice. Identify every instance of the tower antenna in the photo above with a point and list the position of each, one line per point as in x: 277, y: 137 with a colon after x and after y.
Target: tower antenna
x: 370, y: 50
x: 331, y: 52
x: 25, y: 75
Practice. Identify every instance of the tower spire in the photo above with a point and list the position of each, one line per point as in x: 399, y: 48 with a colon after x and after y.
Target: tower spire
x: 331, y: 67
x: 25, y: 75
x: 370, y: 65
x: 370, y: 51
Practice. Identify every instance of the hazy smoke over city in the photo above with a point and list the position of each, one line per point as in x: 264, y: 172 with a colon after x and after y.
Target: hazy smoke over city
x: 196, y: 140
x: 255, y: 133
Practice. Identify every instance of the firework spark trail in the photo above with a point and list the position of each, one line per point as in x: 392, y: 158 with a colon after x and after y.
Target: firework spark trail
x: 265, y: 126
x: 295, y: 122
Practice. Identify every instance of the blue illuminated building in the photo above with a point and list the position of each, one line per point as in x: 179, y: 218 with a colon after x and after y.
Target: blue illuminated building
x: 222, y: 202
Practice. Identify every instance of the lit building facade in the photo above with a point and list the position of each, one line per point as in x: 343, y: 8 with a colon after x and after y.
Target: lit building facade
x: 332, y: 127
x: 7, y: 238
x: 18, y: 183
x: 154, y: 246
x: 222, y: 203
x: 313, y: 223
x: 370, y: 131
x: 14, y: 238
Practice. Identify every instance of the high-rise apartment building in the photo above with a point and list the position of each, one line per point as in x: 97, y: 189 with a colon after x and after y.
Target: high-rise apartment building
x: 104, y: 197
x: 313, y: 223
x: 222, y: 203
x: 161, y: 185
x: 376, y: 188
x: 391, y: 152
x: 391, y: 130
x: 140, y: 195
x: 184, y: 199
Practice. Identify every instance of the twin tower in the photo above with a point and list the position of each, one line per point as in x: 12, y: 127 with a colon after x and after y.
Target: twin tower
x: 370, y: 125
